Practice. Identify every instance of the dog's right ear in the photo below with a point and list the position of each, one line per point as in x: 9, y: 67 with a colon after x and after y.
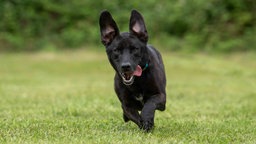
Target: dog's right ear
x: 108, y: 28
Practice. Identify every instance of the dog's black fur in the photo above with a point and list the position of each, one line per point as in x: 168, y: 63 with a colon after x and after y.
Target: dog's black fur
x: 126, y: 51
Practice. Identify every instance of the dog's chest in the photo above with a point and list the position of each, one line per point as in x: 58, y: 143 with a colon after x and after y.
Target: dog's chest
x: 138, y: 93
x: 139, y: 98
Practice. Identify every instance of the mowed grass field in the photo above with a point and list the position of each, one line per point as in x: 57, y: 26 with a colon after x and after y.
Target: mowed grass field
x: 68, y: 97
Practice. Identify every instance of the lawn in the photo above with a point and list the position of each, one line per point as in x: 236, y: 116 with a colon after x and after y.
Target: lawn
x: 68, y: 97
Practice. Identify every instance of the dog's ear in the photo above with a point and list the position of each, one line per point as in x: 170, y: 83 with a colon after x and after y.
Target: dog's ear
x: 108, y: 28
x: 137, y: 26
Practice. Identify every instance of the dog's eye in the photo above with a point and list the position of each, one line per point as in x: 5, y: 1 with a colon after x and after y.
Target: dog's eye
x: 136, y: 49
x: 115, y: 53
x: 115, y: 50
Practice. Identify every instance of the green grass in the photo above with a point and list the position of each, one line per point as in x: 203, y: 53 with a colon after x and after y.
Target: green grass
x: 68, y: 97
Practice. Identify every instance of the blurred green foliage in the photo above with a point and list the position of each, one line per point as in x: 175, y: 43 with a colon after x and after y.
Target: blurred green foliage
x: 213, y: 25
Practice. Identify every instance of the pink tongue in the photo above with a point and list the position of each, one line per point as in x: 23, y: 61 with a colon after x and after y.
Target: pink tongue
x: 138, y: 71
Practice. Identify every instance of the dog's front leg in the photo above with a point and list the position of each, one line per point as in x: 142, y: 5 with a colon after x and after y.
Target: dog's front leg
x: 148, y: 111
x: 147, y: 116
x: 131, y: 114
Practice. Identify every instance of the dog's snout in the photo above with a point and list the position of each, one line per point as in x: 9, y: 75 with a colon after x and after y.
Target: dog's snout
x: 126, y: 67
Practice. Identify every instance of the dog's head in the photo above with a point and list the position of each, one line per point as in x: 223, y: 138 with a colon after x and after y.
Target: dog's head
x: 126, y: 51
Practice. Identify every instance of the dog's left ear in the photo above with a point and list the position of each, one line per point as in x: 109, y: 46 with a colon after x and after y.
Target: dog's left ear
x: 137, y: 26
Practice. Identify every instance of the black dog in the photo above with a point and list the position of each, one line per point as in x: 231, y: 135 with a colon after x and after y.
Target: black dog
x: 140, y: 77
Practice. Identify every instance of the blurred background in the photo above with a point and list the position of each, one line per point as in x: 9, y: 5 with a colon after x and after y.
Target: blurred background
x: 175, y: 25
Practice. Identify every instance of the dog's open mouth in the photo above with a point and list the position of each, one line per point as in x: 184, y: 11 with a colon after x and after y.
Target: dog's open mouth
x: 128, y: 77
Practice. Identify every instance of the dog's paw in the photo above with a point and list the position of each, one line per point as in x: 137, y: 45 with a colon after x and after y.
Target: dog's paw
x: 126, y: 119
x: 147, y: 126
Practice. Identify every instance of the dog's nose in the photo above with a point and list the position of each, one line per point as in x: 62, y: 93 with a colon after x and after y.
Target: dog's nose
x: 126, y: 67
